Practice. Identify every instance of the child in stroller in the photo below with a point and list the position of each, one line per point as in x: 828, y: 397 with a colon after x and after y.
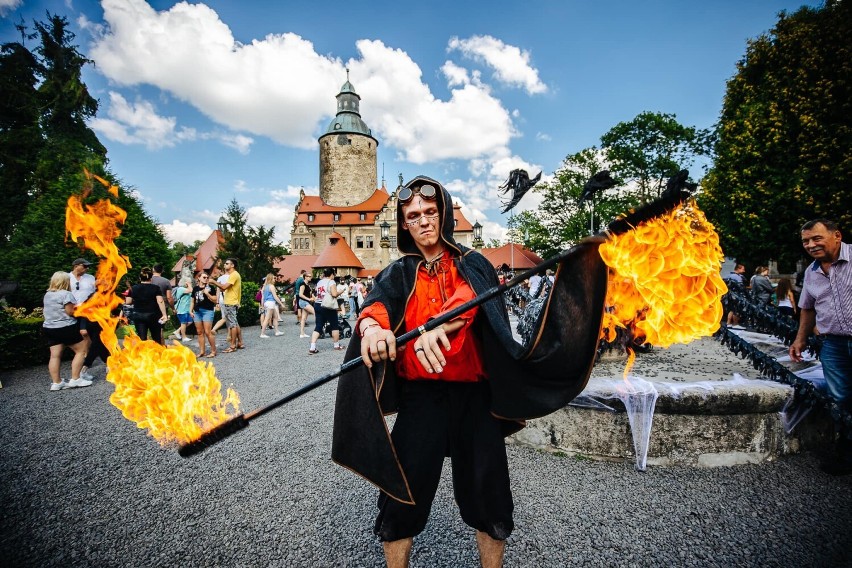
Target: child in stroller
x: 345, y: 328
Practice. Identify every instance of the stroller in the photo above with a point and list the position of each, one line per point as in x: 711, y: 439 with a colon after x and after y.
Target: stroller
x: 345, y: 328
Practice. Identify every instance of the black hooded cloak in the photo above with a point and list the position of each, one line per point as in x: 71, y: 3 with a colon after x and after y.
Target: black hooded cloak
x: 527, y: 381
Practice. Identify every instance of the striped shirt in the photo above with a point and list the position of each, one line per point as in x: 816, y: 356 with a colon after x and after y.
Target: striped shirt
x: 830, y: 294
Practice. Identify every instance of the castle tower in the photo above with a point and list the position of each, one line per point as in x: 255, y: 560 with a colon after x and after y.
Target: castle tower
x: 347, y: 154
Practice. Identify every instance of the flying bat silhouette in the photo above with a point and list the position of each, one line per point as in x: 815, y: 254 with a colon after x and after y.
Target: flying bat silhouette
x: 516, y: 186
x: 598, y: 182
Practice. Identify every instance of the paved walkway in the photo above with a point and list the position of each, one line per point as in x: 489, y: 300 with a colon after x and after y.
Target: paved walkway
x: 82, y: 486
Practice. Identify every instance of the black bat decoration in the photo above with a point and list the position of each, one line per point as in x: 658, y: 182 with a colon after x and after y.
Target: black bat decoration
x: 678, y: 183
x: 517, y: 185
x: 598, y: 182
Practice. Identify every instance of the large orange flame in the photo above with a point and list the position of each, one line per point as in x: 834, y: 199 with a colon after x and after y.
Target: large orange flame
x: 665, y: 283
x: 164, y: 389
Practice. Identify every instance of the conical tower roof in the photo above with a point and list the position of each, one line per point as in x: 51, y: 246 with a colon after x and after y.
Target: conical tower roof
x: 337, y: 254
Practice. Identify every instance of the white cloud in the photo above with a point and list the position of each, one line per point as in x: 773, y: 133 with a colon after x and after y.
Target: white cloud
x: 471, y: 123
x: 187, y: 233
x: 543, y: 137
x: 291, y: 193
x: 511, y: 64
x: 273, y: 214
x: 280, y: 87
x: 238, y: 142
x: 277, y: 87
x: 136, y: 123
x: 455, y: 75
x: 7, y: 6
x: 139, y: 123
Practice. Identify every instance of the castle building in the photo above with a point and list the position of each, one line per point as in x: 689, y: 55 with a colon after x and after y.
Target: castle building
x: 351, y: 216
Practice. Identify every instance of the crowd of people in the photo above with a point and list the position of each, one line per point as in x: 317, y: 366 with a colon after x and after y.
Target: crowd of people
x: 194, y: 303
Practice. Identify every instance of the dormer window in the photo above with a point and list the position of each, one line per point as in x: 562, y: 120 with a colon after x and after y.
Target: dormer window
x: 362, y: 216
x: 311, y: 217
x: 336, y: 217
x: 455, y: 222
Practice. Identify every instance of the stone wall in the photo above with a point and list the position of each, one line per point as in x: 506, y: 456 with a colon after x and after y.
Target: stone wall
x: 347, y: 169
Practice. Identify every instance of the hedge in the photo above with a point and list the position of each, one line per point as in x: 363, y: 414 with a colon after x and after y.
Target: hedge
x: 22, y: 342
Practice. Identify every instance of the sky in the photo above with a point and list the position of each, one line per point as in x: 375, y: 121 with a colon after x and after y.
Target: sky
x: 202, y: 103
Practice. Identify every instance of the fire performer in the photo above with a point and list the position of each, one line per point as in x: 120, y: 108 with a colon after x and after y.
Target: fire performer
x: 460, y: 388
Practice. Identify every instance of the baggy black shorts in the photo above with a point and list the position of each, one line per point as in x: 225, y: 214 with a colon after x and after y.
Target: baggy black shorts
x: 438, y: 419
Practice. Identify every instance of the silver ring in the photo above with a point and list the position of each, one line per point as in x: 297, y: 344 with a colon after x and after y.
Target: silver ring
x: 419, y: 349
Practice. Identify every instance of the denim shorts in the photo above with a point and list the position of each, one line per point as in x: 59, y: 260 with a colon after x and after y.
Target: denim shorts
x: 203, y: 315
x: 184, y: 318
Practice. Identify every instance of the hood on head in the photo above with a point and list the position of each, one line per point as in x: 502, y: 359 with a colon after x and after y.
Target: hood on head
x: 405, y: 242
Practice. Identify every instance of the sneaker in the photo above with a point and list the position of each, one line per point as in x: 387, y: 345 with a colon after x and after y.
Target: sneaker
x: 62, y: 385
x: 174, y: 336
x: 81, y: 382
x: 303, y: 336
x: 279, y: 333
x: 313, y: 351
x: 186, y: 339
x: 264, y: 336
x: 85, y: 374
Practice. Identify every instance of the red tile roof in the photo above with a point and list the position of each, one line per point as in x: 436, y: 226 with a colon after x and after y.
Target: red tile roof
x: 337, y: 254
x: 462, y: 224
x: 291, y: 265
x: 205, y: 256
x: 512, y: 253
x: 351, y: 215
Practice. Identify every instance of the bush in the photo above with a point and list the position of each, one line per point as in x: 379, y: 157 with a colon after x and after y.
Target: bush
x: 247, y: 314
x: 21, y: 341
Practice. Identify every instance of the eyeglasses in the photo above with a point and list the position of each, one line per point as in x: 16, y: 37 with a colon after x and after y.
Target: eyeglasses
x: 77, y: 284
x: 427, y: 191
x: 412, y: 222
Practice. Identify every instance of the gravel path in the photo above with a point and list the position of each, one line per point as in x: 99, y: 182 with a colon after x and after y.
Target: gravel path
x: 82, y: 486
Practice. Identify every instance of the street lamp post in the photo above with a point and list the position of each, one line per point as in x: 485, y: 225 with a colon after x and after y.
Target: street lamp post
x: 477, y: 236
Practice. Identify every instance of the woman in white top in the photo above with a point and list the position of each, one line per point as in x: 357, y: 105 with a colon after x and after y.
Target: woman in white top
x: 785, y: 298
x: 62, y: 329
x: 271, y: 303
x: 326, y: 287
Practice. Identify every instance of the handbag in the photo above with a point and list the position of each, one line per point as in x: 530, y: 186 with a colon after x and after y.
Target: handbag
x: 329, y: 301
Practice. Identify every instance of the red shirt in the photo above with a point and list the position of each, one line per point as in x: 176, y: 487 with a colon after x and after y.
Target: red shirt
x: 464, y: 360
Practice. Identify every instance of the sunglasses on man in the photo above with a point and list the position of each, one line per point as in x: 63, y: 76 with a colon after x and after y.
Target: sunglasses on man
x: 427, y: 191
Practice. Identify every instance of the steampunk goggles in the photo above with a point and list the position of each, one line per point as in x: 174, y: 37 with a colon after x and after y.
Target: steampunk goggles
x: 427, y: 191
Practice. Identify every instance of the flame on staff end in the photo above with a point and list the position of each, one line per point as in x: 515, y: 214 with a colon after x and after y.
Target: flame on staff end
x: 163, y: 389
x: 665, y: 284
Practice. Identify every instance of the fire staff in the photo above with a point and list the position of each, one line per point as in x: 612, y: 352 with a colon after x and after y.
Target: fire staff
x: 461, y: 387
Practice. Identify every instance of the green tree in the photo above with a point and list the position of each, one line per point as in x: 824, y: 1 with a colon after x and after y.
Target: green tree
x: 253, y: 247
x: 494, y: 243
x: 784, y: 137
x: 65, y: 100
x: 560, y: 221
x: 651, y: 148
x: 21, y: 140
x: 38, y: 247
